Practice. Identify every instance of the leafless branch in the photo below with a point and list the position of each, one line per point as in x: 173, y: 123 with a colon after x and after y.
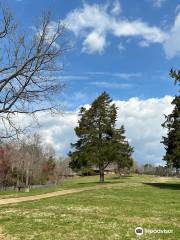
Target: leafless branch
x: 29, y: 71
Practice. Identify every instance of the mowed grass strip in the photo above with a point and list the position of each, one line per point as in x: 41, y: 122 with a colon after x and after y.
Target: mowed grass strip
x: 105, y: 213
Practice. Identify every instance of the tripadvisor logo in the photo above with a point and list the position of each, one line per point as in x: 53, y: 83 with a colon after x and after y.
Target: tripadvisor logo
x: 139, y: 231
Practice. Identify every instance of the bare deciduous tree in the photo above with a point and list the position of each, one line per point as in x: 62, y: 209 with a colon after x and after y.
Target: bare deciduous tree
x: 28, y: 67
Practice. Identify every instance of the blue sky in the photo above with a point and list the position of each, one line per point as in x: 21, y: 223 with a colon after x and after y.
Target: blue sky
x: 147, y: 66
x: 124, y: 47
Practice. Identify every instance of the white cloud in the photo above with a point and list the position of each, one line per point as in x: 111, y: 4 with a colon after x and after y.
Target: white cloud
x: 177, y: 8
x: 58, y: 130
x: 94, y: 42
x: 127, y: 76
x: 74, y: 77
x: 79, y: 96
x: 116, y: 8
x: 122, y: 75
x: 142, y: 120
x: 88, y: 17
x: 51, y: 32
x: 158, y: 3
x: 144, y: 44
x: 94, y: 22
x: 171, y: 45
x: 110, y: 85
x: 121, y: 47
x: 125, y: 28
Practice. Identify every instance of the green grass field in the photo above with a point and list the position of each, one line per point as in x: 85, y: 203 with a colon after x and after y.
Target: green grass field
x: 99, y: 214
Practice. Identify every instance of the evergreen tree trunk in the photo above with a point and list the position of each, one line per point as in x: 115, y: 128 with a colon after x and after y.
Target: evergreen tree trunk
x: 101, y: 179
x: 167, y: 172
x: 178, y: 172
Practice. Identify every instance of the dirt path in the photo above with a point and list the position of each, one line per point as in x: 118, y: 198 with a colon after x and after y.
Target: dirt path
x: 37, y: 197
x: 6, y: 201
x: 3, y: 237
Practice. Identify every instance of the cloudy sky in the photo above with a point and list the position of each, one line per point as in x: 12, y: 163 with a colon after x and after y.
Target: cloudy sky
x: 125, y: 47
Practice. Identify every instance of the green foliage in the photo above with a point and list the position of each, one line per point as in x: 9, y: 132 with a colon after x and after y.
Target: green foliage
x: 172, y: 124
x: 176, y: 75
x: 99, y: 141
x: 124, y: 160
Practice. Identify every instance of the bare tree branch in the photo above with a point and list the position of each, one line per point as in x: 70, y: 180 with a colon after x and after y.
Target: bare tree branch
x: 29, y: 71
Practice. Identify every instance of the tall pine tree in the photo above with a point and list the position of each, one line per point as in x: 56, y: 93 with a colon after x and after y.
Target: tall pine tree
x: 99, y: 142
x: 172, y: 124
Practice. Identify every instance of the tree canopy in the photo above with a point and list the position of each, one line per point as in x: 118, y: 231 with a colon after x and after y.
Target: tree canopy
x: 172, y: 124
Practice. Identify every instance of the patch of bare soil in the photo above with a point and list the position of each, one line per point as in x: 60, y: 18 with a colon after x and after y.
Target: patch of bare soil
x: 3, y: 237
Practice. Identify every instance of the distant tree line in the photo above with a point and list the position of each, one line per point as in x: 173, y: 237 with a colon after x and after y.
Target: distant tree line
x: 152, y: 169
x: 29, y: 162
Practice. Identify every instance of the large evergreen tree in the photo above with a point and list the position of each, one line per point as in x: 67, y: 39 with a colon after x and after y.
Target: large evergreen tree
x: 99, y: 141
x: 172, y: 124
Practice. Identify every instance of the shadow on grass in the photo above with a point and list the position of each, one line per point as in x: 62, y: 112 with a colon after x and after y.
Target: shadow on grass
x: 97, y: 182
x: 87, y: 183
x: 120, y: 177
x: 173, y: 186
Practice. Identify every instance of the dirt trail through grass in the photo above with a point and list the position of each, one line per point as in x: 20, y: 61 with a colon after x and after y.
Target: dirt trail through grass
x: 55, y: 194
x: 3, y: 237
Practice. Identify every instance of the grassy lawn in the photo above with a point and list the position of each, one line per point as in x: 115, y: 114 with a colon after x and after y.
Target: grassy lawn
x: 106, y: 213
